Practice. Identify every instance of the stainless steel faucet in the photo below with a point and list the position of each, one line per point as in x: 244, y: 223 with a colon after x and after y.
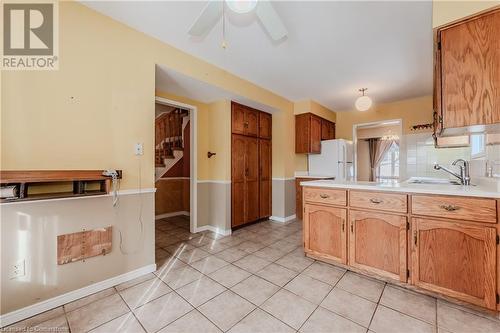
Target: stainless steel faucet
x: 464, y: 175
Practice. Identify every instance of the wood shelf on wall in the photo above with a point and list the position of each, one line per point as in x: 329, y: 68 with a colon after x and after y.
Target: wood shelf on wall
x: 39, y: 184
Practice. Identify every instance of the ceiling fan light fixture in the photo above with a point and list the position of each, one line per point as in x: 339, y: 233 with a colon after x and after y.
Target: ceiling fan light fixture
x: 241, y: 6
x: 363, y: 103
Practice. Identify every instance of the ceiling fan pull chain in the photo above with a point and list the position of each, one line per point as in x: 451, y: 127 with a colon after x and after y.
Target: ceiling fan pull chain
x: 224, y: 45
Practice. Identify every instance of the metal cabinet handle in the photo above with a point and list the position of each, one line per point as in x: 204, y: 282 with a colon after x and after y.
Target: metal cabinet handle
x: 352, y: 226
x: 324, y: 196
x: 376, y: 201
x: 449, y: 208
x: 343, y: 225
x: 415, y: 237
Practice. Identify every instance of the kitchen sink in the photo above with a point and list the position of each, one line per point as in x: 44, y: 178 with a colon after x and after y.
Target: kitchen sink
x: 432, y: 181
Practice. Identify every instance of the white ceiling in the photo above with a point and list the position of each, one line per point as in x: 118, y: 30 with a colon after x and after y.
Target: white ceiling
x: 179, y: 84
x: 332, y: 49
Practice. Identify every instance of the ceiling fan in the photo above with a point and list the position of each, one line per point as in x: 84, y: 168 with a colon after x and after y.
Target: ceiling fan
x: 263, y: 10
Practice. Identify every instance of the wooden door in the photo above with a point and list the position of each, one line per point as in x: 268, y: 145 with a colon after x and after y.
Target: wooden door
x: 238, y: 148
x: 377, y: 243
x: 251, y: 179
x: 237, y: 118
x: 265, y: 125
x: 251, y: 122
x: 470, y: 71
x: 455, y: 259
x: 324, y: 232
x: 325, y: 130
x: 315, y: 139
x: 265, y: 154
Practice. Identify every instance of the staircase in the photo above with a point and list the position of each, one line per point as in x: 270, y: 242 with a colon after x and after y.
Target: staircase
x: 169, y: 129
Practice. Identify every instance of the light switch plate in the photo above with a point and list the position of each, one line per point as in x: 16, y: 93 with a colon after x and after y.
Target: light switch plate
x: 139, y: 149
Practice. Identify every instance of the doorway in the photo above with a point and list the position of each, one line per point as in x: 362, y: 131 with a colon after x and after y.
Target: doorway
x: 175, y: 163
x: 377, y: 151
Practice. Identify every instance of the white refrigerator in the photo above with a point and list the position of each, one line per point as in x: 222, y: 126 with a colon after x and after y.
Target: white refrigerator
x: 335, y: 160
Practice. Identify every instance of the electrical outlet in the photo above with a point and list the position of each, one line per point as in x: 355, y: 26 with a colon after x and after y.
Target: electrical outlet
x: 139, y: 149
x: 18, y: 269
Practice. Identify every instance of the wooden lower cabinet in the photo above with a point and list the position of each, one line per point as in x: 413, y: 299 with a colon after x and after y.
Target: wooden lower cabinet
x: 377, y: 243
x: 325, y: 232
x: 455, y: 259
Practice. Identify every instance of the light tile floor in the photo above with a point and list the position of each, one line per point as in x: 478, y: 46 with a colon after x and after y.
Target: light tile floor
x: 256, y: 280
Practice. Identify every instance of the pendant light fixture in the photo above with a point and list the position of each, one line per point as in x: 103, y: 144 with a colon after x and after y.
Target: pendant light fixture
x: 241, y: 6
x: 363, y: 103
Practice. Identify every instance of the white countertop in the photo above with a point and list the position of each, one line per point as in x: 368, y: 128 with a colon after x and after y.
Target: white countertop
x: 306, y: 174
x: 485, y: 191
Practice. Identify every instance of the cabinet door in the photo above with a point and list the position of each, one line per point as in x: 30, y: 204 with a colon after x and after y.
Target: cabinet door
x: 265, y: 125
x: 377, y: 243
x: 302, y: 133
x: 237, y: 118
x: 325, y: 129
x: 315, y: 139
x: 238, y: 147
x: 470, y: 71
x: 251, y: 122
x: 265, y: 153
x: 332, y: 131
x: 324, y: 232
x: 455, y: 259
x: 251, y: 179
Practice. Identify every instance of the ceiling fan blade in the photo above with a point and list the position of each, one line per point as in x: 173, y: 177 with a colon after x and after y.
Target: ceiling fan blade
x: 207, y: 19
x: 270, y: 20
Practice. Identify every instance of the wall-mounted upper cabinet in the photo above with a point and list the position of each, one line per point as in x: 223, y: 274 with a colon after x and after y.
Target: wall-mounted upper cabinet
x: 467, y: 74
x: 310, y: 129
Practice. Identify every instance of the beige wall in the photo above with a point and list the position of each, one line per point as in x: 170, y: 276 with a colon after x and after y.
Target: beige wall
x: 89, y: 113
x: 363, y: 161
x: 447, y: 11
x: 318, y: 109
x: 411, y: 111
x: 377, y: 132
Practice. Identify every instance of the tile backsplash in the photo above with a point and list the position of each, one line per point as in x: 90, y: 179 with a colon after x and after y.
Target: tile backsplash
x: 418, y: 156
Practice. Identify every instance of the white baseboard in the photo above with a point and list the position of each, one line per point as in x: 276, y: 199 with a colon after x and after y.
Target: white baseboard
x: 162, y: 216
x: 224, y: 232
x: 283, y: 219
x: 31, y: 310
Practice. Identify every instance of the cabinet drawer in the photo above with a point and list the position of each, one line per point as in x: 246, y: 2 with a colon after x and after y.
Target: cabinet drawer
x: 325, y: 196
x: 473, y: 209
x: 392, y: 202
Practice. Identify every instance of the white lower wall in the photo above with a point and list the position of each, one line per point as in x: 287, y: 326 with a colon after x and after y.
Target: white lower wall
x: 29, y: 232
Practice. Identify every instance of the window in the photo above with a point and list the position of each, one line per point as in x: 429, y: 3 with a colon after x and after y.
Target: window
x: 477, y: 145
x: 389, y: 167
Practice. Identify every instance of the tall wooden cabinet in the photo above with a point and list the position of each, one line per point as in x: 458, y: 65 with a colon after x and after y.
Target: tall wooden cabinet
x: 250, y: 164
x: 467, y: 73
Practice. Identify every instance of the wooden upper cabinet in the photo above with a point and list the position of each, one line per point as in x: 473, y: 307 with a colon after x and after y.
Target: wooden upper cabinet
x: 455, y: 259
x: 327, y: 130
x: 265, y: 125
x: 377, y: 243
x: 252, y: 122
x: 237, y: 118
x: 467, y: 72
x: 244, y: 120
x: 307, y: 134
x: 325, y: 232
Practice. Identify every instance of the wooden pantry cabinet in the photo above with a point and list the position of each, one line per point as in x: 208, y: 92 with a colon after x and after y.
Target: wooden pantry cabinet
x: 446, y: 245
x: 467, y: 73
x: 251, y: 158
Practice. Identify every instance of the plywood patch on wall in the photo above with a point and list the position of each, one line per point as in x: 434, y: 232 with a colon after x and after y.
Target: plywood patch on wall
x: 84, y: 244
